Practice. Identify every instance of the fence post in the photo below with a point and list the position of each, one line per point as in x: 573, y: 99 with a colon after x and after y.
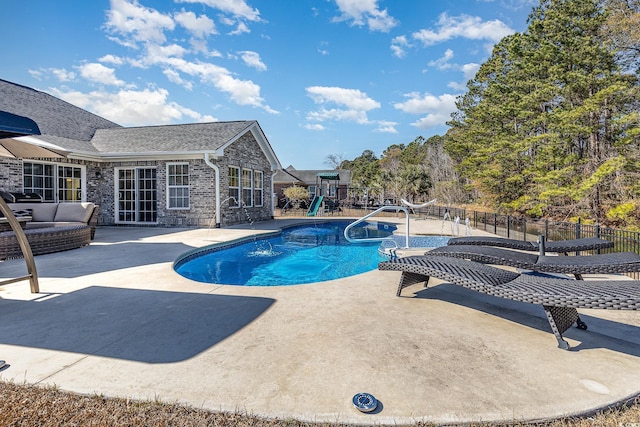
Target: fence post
x: 578, y: 226
x: 508, y: 226
x: 546, y: 228
x: 524, y: 228
x: 485, y: 221
x: 495, y: 223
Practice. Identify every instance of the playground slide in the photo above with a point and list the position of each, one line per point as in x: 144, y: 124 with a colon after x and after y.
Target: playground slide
x: 314, y: 206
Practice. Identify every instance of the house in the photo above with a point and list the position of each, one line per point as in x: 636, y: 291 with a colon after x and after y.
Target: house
x: 332, y: 184
x: 200, y: 174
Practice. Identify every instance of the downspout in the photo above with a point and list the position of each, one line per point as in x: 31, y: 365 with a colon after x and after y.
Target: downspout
x: 274, y: 196
x: 216, y: 170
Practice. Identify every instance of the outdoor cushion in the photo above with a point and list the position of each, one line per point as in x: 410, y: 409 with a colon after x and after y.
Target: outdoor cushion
x: 74, y: 212
x: 39, y: 211
x: 19, y: 213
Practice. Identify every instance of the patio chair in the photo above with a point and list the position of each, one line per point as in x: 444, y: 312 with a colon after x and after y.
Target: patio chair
x: 559, y: 297
x: 613, y: 263
x: 563, y: 246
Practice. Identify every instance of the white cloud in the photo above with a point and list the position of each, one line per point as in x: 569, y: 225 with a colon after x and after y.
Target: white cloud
x: 443, y: 63
x: 159, y: 53
x: 470, y: 70
x: 314, y: 126
x: 237, y: 8
x: 200, y: 26
x: 98, y: 73
x: 350, y: 98
x: 386, y: 127
x: 398, y: 45
x: 438, y: 109
x: 240, y: 29
x: 111, y: 59
x: 141, y: 24
x: 459, y: 86
x: 242, y: 92
x: 169, y: 58
x: 355, y: 104
x: 62, y: 74
x: 365, y: 11
x: 464, y: 26
x: 133, y: 108
x: 174, y: 76
x: 252, y: 59
x: 324, y: 114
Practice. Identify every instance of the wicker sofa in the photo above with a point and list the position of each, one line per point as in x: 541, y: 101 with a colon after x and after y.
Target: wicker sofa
x: 53, y: 227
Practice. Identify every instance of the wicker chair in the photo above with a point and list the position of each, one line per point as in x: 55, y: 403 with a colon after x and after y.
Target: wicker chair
x: 565, y: 246
x: 559, y: 297
x: 613, y: 263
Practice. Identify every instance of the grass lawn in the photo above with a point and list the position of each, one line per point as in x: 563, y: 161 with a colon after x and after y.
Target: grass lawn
x: 24, y: 405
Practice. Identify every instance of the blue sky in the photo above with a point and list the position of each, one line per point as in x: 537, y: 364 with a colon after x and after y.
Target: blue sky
x: 321, y: 76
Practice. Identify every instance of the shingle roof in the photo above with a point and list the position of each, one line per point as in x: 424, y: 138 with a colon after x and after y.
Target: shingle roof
x: 169, y: 138
x: 52, y: 115
x: 80, y: 132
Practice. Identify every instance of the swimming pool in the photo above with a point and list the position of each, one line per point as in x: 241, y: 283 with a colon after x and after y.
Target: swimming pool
x: 299, y: 255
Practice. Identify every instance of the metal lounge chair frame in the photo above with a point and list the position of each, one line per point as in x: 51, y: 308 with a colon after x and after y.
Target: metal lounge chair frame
x: 559, y: 297
x: 613, y: 263
x: 564, y: 246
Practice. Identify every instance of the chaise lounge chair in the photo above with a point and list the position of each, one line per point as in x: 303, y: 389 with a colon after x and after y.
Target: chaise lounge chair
x: 613, y: 263
x: 563, y: 246
x: 559, y: 297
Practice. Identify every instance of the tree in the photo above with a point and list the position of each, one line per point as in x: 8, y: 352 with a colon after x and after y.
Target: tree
x: 364, y: 174
x: 549, y: 120
x: 334, y: 161
x: 621, y: 32
x: 296, y: 195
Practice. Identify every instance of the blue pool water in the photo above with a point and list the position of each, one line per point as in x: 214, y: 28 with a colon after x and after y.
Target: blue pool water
x: 302, y: 254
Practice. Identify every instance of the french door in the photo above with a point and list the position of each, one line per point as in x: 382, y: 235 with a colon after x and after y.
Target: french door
x: 137, y: 193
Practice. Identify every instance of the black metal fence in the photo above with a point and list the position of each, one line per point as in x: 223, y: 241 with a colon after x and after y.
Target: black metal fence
x: 529, y: 229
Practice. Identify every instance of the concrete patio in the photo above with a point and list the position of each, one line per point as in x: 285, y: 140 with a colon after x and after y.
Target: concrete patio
x: 114, y: 319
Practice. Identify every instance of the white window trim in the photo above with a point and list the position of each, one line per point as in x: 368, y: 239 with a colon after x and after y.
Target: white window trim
x: 83, y: 178
x: 167, y: 186
x: 243, y: 188
x: 116, y: 207
x: 239, y: 187
x: 261, y: 188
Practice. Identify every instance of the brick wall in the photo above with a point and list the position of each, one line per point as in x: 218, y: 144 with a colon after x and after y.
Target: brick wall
x: 244, y: 153
x: 10, y: 174
x: 100, y: 186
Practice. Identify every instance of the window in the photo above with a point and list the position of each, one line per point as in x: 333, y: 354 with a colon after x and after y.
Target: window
x: 257, y: 188
x: 177, y: 186
x: 312, y: 191
x: 332, y: 190
x: 234, y: 186
x: 55, y: 183
x: 247, y: 187
x: 69, y: 184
